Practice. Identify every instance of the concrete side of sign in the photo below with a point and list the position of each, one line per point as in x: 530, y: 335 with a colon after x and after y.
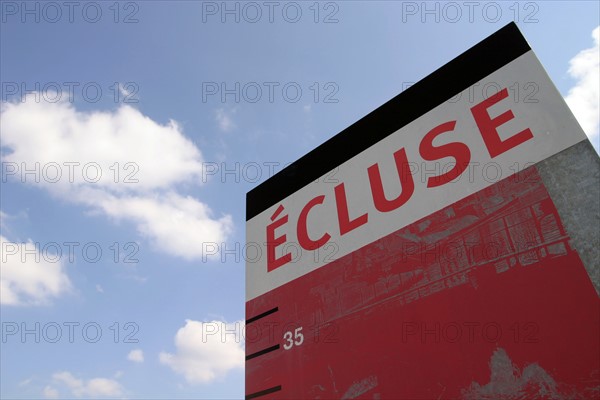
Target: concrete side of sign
x: 572, y: 177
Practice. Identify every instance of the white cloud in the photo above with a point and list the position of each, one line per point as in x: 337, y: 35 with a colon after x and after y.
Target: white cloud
x: 50, y: 393
x: 583, y: 98
x: 160, y: 155
x: 141, y: 164
x: 206, y: 351
x: 167, y: 220
x: 136, y: 355
x: 96, y: 387
x: 25, y: 382
x: 224, y: 120
x: 99, y: 289
x: 28, y: 276
x: 129, y: 92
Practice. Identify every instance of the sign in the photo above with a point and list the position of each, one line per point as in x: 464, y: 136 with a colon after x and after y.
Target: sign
x: 419, y: 248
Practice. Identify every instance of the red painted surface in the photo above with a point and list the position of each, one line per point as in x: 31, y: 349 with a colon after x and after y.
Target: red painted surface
x: 481, y: 299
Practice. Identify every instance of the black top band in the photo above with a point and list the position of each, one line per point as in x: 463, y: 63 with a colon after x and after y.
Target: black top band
x: 479, y: 61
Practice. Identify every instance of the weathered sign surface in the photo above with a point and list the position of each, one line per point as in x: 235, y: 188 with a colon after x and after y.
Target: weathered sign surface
x: 437, y: 248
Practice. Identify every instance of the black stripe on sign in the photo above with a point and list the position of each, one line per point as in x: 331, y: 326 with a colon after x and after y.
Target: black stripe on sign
x: 263, y: 351
x: 263, y: 392
x: 465, y: 70
x: 259, y: 316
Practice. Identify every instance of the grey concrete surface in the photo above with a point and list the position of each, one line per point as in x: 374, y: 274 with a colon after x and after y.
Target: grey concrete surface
x: 572, y: 178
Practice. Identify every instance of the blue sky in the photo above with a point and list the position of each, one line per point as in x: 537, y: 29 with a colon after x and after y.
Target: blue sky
x: 135, y: 152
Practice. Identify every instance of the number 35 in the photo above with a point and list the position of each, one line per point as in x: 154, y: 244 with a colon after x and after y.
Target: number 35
x: 297, y: 339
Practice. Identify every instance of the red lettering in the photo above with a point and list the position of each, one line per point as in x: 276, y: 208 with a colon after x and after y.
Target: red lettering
x: 305, y: 241
x: 346, y: 225
x: 272, y: 242
x: 406, y: 180
x: 459, y: 151
x: 487, y: 126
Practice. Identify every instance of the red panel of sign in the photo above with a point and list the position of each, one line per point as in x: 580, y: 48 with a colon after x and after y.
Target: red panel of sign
x: 481, y: 299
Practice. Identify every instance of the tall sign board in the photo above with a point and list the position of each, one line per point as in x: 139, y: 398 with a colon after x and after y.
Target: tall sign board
x: 421, y: 253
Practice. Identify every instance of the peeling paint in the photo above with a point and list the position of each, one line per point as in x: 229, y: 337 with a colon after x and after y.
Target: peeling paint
x: 535, y: 383
x: 361, y: 387
x: 332, y: 379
